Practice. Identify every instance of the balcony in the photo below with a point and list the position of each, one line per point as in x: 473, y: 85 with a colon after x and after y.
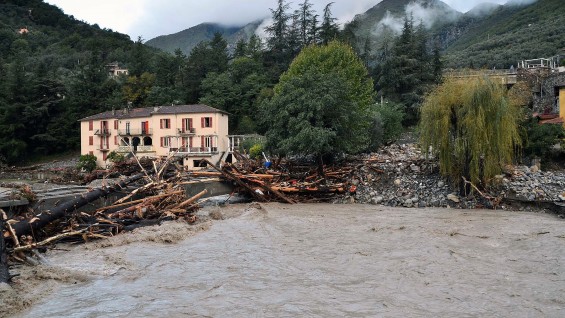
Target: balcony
x: 102, y: 132
x: 104, y: 148
x: 135, y: 132
x: 195, y: 151
x: 128, y: 149
x: 188, y: 131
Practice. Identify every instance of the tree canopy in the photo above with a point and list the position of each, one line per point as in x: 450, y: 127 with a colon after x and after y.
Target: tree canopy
x: 321, y: 105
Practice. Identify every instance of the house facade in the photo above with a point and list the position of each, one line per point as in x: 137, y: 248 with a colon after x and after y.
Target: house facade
x: 193, y: 132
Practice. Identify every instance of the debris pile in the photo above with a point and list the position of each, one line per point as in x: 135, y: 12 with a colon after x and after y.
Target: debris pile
x: 161, y: 197
x: 530, y: 184
x: 286, y: 182
x: 399, y: 175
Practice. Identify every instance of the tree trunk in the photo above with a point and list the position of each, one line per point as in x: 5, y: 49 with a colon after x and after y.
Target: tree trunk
x: 4, y: 274
x: 42, y: 219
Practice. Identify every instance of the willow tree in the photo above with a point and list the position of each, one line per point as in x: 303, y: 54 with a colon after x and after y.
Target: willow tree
x: 472, y: 126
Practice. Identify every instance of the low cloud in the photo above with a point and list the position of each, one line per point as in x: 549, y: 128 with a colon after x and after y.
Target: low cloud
x: 520, y: 2
x: 425, y: 15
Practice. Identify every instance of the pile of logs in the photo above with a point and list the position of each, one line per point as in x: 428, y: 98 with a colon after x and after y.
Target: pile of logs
x: 295, y: 184
x: 162, y: 198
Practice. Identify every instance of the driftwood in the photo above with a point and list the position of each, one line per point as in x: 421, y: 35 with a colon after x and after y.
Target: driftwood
x: 4, y: 274
x: 47, y: 241
x: 46, y: 217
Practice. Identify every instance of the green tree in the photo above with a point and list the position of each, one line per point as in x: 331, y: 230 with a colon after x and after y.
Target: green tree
x: 322, y: 104
x: 472, y: 127
x: 329, y: 28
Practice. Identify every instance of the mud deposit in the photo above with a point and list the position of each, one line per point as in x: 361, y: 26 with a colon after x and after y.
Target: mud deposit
x: 316, y: 261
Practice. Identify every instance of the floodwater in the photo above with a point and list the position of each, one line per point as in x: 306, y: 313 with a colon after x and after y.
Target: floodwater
x: 323, y: 261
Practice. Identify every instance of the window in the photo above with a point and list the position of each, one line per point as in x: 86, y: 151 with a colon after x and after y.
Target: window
x: 199, y: 163
x: 90, y: 125
x: 165, y: 123
x: 128, y: 128
x: 165, y: 142
x: 187, y: 125
x: 91, y: 153
x: 116, y: 124
x: 91, y: 141
x: 206, y: 122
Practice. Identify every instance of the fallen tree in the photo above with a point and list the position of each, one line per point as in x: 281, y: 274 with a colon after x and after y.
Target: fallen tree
x: 42, y: 219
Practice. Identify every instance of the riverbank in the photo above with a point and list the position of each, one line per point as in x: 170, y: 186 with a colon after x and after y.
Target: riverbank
x: 278, y: 260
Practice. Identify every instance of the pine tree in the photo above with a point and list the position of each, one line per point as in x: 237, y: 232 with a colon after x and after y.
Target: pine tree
x: 329, y: 28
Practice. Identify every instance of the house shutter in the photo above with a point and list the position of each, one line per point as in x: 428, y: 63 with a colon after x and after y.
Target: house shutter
x: 162, y: 138
x: 116, y: 140
x: 211, y: 122
x: 116, y: 124
x: 91, y: 141
x: 190, y: 141
x: 104, y: 156
x: 183, y: 124
x: 202, y: 141
x: 90, y: 125
x: 101, y: 143
x: 161, y: 123
x: 190, y: 126
x: 202, y: 122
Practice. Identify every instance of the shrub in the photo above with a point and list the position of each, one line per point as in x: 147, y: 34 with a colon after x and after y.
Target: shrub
x: 387, y: 124
x: 256, y: 151
x: 115, y: 157
x: 87, y: 163
x: 540, y: 139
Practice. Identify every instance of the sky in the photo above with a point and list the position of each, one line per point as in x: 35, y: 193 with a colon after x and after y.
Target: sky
x: 151, y: 18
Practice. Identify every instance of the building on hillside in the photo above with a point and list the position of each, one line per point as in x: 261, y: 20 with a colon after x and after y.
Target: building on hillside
x: 546, y: 78
x: 114, y: 70
x: 193, y: 132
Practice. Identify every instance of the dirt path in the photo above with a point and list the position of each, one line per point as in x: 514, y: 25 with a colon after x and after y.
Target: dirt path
x: 321, y: 261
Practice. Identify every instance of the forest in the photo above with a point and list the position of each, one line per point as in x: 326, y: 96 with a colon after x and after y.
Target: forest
x: 54, y: 70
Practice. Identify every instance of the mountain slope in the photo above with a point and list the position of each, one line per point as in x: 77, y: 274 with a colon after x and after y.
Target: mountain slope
x: 508, y: 34
x: 388, y: 16
x: 187, y: 39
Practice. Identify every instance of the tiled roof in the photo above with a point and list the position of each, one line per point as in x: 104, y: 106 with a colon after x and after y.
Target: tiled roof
x: 148, y: 111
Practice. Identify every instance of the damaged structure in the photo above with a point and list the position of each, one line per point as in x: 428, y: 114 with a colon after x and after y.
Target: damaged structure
x: 546, y: 79
x: 193, y: 132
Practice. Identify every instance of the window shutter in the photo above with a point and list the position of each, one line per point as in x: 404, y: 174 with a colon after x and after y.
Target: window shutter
x: 91, y: 141
x: 161, y: 141
x: 202, y: 142
x: 183, y: 124
x: 116, y: 140
x: 90, y: 125
x: 211, y: 122
x: 161, y: 123
x: 116, y: 124
x: 101, y: 143
x: 190, y: 123
x: 202, y: 122
x: 190, y: 141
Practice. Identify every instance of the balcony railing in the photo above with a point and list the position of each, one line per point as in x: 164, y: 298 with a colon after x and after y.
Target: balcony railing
x: 195, y: 151
x: 187, y: 131
x: 135, y: 132
x: 103, y: 148
x: 127, y: 149
x: 102, y: 132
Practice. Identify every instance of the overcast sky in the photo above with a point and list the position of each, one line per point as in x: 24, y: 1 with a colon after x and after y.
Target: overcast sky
x: 151, y: 18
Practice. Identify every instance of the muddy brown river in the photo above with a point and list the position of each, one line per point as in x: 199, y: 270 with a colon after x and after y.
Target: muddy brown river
x: 314, y: 261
